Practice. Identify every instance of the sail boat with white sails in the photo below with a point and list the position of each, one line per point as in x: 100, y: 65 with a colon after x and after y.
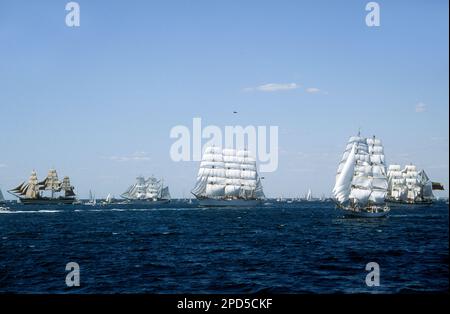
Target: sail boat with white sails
x: 309, y: 196
x: 147, y: 191
x: 410, y: 186
x: 92, y: 199
x: 228, y: 178
x: 361, y: 181
x: 2, y: 198
x: 2, y: 202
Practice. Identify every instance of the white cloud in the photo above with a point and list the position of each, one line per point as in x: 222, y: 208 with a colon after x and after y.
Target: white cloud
x: 137, y: 156
x: 3, y: 166
x: 421, y: 107
x: 312, y: 90
x: 273, y: 87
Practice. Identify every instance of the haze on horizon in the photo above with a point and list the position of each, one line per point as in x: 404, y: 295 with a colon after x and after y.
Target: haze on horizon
x: 97, y: 102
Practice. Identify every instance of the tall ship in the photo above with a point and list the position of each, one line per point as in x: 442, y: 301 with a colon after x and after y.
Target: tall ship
x: 49, y: 191
x: 147, y: 191
x: 361, y: 181
x: 410, y: 186
x: 228, y: 178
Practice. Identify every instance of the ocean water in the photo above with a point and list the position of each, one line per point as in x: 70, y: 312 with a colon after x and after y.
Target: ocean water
x: 306, y: 247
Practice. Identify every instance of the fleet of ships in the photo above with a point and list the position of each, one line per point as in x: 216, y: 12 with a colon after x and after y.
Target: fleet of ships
x: 364, y: 185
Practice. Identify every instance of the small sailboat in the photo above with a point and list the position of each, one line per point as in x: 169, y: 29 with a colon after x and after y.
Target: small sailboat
x: 361, y: 181
x: 228, y: 178
x: 2, y: 202
x: 2, y: 198
x: 309, y: 197
x: 92, y: 200
x: 108, y: 200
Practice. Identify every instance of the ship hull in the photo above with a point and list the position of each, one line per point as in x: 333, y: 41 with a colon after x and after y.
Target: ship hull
x: 208, y: 202
x: 147, y: 202
x: 400, y: 202
x: 48, y: 201
x: 365, y: 213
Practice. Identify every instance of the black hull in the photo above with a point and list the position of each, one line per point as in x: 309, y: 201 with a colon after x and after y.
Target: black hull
x: 48, y: 201
x: 395, y: 202
x: 147, y: 202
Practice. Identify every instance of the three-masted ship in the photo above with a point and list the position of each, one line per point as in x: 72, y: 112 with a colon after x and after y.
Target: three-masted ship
x: 228, y: 178
x: 147, y: 191
x: 361, y: 181
x: 49, y: 191
x: 410, y: 186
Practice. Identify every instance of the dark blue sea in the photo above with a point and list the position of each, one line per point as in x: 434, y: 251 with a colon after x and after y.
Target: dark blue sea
x: 304, y: 247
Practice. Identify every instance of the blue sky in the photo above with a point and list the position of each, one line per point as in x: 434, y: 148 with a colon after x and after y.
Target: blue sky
x: 98, y: 101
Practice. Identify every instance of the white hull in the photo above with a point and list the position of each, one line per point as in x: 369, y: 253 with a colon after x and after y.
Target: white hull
x: 209, y: 202
x: 381, y: 212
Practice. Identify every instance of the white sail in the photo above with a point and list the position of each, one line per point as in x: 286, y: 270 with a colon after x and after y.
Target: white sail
x: 426, y: 184
x: 227, y: 174
x: 361, y: 176
x: 51, y: 182
x: 344, y: 177
x: 412, y: 184
x: 153, y: 188
x: 147, y: 189
x: 396, y: 183
x: 165, y: 194
x: 2, y: 198
x: 32, y: 188
x: 309, y: 195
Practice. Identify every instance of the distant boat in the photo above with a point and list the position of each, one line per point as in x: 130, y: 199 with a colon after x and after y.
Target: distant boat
x: 361, y: 181
x: 228, y: 178
x: 409, y: 186
x: 309, y: 196
x: 322, y: 198
x: 2, y: 198
x: 92, y: 200
x: 108, y: 200
x: 147, y: 191
x: 2, y: 202
x: 280, y: 199
x: 34, y: 191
